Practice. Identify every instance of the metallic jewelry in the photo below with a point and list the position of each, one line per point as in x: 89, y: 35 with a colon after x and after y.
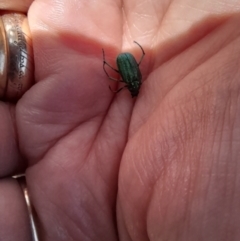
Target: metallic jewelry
x: 22, y: 182
x: 16, y: 56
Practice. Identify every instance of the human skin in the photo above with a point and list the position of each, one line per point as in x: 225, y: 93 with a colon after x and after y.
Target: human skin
x: 99, y: 166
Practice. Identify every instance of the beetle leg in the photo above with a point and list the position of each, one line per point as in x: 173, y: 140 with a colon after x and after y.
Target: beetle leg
x: 116, y: 91
x: 143, y: 53
x: 111, y: 78
x: 105, y: 63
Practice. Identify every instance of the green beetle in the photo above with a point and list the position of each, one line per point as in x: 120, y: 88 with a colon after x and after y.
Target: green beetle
x: 129, y: 70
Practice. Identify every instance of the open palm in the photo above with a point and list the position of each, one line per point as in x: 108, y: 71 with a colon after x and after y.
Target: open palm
x: 108, y: 167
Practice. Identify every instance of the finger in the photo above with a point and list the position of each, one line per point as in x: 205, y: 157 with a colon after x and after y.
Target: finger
x: 169, y: 27
x: 15, y: 5
x: 11, y: 161
x: 74, y: 142
x: 178, y: 173
x: 14, y: 219
x: 68, y: 67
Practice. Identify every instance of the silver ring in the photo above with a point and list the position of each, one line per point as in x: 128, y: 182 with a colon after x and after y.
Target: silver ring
x: 16, y: 56
x: 22, y: 181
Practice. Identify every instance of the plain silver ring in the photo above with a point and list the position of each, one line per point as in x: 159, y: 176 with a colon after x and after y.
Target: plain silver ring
x: 22, y: 182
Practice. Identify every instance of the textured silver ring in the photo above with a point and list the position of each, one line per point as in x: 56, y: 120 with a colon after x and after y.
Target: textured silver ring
x: 16, y: 56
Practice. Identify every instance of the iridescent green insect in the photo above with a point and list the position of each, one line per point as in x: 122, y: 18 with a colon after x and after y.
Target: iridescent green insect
x: 129, y: 70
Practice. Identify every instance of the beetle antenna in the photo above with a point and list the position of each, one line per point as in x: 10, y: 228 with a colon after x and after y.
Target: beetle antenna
x: 143, y: 53
x: 103, y: 55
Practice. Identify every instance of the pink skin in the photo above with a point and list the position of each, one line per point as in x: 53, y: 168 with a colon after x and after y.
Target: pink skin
x: 105, y: 167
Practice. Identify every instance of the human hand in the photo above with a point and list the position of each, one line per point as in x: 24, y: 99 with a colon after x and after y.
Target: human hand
x: 107, y: 167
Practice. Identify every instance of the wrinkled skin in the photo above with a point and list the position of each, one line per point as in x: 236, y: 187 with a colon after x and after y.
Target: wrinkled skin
x: 105, y: 167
